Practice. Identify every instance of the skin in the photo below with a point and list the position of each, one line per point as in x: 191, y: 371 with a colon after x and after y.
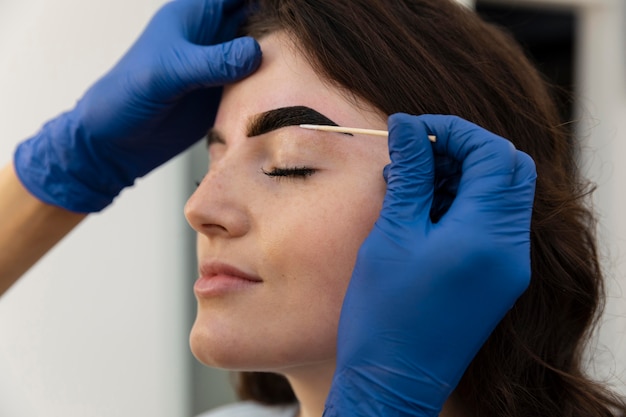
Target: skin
x: 28, y: 228
x: 300, y: 235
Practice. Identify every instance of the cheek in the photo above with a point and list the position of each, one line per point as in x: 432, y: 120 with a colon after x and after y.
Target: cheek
x: 316, y: 241
x: 312, y: 255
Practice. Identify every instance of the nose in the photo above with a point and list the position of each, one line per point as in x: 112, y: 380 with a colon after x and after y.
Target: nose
x: 218, y: 206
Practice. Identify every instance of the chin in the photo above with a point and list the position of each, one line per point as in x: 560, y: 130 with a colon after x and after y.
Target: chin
x: 227, y: 350
x: 215, y: 349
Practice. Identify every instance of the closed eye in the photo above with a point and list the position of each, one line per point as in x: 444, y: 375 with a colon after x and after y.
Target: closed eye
x: 294, y: 172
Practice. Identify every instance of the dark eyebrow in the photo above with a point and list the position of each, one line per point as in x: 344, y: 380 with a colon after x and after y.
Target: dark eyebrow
x: 276, y: 119
x: 283, y: 117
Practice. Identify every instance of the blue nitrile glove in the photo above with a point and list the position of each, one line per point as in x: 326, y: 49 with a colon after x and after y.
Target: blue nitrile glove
x: 156, y: 102
x: 424, y: 295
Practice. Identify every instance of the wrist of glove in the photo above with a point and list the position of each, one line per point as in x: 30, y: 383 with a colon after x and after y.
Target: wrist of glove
x: 58, y: 167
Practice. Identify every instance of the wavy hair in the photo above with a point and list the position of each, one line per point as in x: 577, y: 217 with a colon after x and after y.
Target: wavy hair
x: 435, y: 56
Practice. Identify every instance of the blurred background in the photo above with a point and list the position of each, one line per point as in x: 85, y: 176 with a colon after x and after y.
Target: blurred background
x: 100, y: 326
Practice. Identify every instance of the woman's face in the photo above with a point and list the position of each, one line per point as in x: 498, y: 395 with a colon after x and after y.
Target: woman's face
x: 280, y: 216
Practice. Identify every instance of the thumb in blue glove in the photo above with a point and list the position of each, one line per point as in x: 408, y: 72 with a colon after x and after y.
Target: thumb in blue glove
x: 425, y: 295
x: 157, y: 101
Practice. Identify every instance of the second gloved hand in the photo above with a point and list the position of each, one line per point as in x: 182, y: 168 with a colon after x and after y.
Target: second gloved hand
x: 156, y: 102
x: 425, y: 294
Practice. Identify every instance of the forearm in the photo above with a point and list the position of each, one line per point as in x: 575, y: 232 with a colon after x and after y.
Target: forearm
x: 28, y: 227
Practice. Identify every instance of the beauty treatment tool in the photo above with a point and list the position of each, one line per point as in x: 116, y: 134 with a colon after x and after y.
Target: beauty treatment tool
x: 354, y: 130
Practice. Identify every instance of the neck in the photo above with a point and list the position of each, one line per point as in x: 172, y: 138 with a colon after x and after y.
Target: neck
x: 311, y: 386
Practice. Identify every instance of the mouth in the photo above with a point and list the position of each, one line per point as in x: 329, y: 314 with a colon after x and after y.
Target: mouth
x: 218, y: 278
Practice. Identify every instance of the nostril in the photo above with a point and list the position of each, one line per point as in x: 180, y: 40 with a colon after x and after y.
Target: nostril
x: 213, y: 228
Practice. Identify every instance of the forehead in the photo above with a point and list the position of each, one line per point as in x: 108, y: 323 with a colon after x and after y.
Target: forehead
x: 285, y: 78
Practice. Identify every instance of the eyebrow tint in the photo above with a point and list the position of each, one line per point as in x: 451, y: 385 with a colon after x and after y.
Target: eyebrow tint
x: 283, y: 117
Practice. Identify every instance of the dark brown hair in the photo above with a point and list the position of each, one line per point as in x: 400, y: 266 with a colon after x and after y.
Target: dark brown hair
x: 435, y: 56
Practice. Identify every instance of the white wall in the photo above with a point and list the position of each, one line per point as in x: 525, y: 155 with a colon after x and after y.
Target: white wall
x: 100, y: 326
x: 602, y: 113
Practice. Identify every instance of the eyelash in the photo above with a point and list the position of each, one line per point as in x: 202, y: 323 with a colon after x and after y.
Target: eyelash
x: 295, y: 172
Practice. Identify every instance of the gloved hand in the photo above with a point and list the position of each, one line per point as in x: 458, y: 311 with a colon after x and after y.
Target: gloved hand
x: 157, y: 101
x: 424, y: 295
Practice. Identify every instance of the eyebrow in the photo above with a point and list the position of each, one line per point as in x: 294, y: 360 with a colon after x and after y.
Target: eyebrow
x: 283, y: 117
x: 275, y: 119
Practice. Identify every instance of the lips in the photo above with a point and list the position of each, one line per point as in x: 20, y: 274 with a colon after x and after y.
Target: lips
x: 218, y: 278
x: 212, y: 269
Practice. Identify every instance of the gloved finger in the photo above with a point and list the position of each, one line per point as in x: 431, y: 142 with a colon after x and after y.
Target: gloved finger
x: 210, y: 22
x: 201, y: 22
x: 515, y: 202
x: 410, y: 176
x: 525, y: 170
x: 488, y: 161
x: 447, y: 177
x: 520, y: 194
x: 210, y: 66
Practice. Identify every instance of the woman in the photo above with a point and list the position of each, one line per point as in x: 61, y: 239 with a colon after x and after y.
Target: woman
x: 299, y: 203
x: 161, y: 97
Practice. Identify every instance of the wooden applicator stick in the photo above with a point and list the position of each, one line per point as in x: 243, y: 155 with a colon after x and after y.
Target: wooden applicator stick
x: 354, y: 130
